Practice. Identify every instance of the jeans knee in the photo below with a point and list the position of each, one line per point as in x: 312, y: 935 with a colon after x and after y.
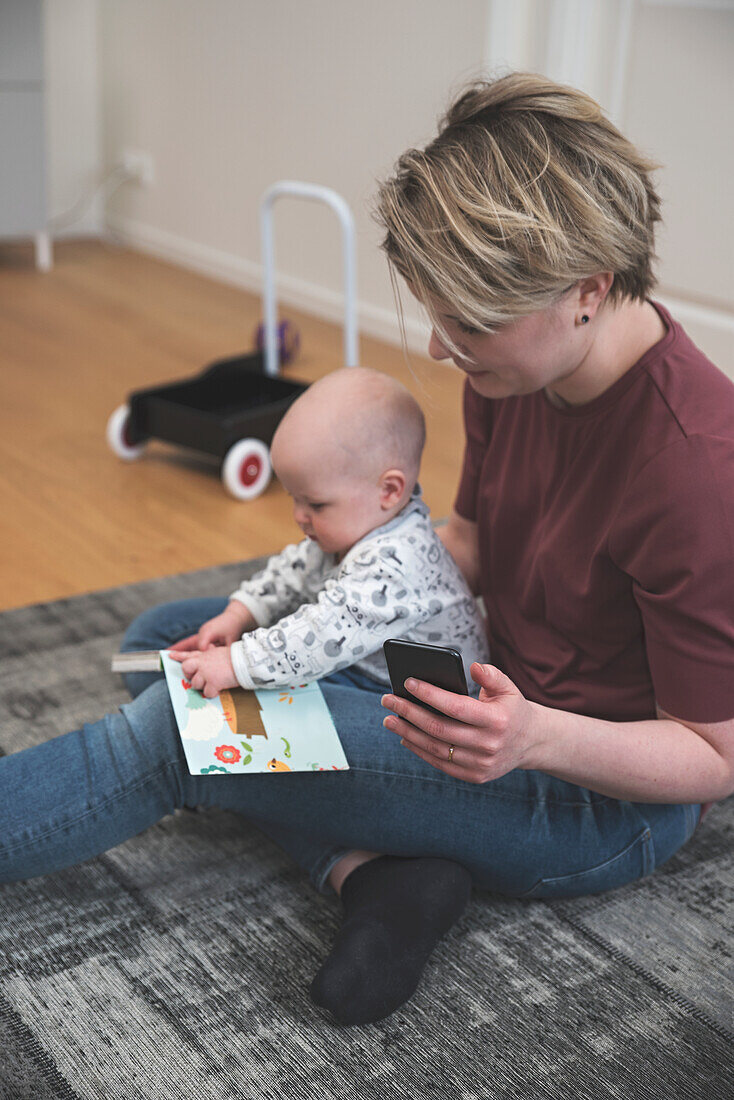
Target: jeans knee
x: 143, y: 628
x: 70, y: 798
x: 156, y: 627
x: 152, y: 721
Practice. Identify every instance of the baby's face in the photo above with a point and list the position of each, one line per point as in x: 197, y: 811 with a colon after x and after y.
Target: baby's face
x: 334, y: 510
x: 332, y: 504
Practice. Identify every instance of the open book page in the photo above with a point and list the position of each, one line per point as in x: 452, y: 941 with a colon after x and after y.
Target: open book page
x: 238, y: 731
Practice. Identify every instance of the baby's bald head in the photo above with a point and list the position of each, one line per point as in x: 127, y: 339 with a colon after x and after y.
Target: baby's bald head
x: 356, y: 419
x: 348, y: 452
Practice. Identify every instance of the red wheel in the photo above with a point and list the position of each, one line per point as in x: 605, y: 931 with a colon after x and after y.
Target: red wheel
x: 250, y: 469
x: 246, y: 470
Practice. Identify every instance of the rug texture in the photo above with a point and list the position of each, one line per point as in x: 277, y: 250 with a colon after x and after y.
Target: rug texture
x: 177, y: 964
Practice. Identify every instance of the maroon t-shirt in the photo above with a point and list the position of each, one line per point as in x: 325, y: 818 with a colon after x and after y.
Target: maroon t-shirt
x: 606, y: 538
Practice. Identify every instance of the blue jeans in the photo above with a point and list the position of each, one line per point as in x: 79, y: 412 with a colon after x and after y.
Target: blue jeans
x: 525, y: 835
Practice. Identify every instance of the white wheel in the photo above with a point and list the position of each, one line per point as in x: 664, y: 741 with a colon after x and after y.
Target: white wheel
x: 117, y: 435
x: 246, y: 470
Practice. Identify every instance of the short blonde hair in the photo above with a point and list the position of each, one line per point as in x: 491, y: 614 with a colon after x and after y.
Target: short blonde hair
x: 526, y: 189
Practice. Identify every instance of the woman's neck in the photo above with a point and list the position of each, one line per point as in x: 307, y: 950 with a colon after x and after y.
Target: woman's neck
x: 623, y: 336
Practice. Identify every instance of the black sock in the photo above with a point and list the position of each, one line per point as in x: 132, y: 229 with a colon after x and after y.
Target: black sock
x: 395, y: 911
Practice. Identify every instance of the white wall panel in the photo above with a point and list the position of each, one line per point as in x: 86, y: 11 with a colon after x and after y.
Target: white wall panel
x: 74, y: 153
x: 678, y: 107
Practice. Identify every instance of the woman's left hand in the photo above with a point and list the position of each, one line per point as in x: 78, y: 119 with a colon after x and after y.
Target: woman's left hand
x: 491, y: 735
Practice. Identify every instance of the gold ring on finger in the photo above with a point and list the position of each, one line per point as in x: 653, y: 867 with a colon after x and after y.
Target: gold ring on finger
x: 451, y: 753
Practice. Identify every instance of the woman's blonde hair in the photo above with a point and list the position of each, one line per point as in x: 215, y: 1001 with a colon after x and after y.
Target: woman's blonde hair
x: 526, y: 189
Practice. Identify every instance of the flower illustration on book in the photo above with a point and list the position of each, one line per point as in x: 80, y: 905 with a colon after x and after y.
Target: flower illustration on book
x: 213, y: 768
x: 228, y: 754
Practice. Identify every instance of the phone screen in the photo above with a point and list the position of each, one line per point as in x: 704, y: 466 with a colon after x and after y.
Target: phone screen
x: 434, y: 664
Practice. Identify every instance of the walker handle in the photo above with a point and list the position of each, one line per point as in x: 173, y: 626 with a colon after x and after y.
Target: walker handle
x: 340, y: 207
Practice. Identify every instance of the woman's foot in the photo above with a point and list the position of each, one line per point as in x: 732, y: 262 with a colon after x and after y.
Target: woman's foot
x: 396, y: 910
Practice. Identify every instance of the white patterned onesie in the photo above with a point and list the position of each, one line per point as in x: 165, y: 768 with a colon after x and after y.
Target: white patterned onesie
x: 316, y: 616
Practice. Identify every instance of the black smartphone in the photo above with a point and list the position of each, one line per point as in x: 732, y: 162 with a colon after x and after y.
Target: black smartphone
x: 434, y: 664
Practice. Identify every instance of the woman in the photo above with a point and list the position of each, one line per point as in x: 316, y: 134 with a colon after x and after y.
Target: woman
x: 594, y: 517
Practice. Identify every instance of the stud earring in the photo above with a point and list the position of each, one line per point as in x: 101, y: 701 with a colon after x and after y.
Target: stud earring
x: 584, y: 319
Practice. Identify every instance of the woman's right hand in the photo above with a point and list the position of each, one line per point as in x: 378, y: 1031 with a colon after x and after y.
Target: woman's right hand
x: 223, y: 629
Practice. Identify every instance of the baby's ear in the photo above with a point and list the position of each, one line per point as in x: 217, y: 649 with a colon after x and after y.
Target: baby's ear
x: 392, y: 487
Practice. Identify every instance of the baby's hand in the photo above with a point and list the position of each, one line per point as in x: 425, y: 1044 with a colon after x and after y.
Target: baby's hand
x: 209, y: 672
x: 223, y: 629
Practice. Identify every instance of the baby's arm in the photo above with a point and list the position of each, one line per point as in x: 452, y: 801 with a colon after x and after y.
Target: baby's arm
x: 278, y: 589
x: 222, y: 630
x: 205, y: 657
x: 370, y: 601
x: 266, y: 597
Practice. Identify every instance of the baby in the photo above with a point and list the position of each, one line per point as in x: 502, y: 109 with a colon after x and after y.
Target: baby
x: 370, y: 567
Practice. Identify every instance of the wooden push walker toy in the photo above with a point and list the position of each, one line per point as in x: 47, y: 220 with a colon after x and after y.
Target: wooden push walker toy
x: 232, y: 408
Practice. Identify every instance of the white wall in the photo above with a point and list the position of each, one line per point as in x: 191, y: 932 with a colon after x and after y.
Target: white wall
x: 229, y: 95
x: 678, y: 106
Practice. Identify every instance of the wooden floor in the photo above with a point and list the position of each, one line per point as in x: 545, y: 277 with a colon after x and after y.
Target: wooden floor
x: 73, y: 344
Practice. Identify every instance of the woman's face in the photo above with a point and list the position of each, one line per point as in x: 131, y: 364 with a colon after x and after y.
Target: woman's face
x: 519, y: 358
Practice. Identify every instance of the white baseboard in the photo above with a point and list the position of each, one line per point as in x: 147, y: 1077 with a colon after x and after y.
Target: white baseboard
x: 693, y: 313
x: 382, y: 324
x: 710, y: 328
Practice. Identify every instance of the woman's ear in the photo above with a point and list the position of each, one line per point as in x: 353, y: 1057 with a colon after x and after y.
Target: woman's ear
x: 392, y: 487
x: 593, y: 290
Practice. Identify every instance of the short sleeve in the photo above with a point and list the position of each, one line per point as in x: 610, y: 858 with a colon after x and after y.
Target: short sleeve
x: 477, y: 431
x: 674, y: 536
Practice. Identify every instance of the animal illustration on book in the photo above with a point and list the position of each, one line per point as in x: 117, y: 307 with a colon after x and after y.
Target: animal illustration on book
x: 278, y: 766
x: 204, y: 722
x: 242, y: 712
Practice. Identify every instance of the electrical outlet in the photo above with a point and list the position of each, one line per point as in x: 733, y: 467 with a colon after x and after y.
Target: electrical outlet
x: 138, y: 166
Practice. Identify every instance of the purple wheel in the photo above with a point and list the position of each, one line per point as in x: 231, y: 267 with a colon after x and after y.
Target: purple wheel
x: 289, y: 341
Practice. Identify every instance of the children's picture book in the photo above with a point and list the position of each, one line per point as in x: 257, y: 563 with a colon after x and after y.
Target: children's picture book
x: 241, y: 732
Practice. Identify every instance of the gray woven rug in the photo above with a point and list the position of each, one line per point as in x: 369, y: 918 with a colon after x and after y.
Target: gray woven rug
x: 176, y: 965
